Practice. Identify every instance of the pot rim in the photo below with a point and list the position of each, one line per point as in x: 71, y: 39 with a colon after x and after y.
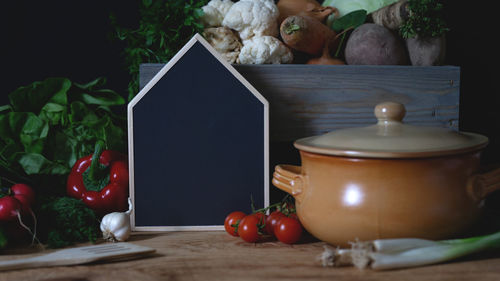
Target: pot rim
x: 359, y: 153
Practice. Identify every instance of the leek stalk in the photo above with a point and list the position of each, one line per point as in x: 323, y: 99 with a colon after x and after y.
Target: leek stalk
x: 383, y: 254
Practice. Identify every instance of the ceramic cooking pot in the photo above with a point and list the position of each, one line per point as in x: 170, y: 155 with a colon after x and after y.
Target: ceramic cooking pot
x: 388, y: 180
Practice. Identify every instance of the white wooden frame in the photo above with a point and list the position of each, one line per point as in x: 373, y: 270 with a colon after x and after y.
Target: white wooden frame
x: 145, y: 90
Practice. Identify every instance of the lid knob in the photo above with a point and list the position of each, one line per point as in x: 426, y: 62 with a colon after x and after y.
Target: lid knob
x: 390, y: 112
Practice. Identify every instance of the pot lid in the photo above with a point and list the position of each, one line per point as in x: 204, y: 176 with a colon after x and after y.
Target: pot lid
x: 391, y: 138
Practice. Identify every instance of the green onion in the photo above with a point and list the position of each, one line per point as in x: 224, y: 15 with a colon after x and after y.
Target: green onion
x: 383, y: 254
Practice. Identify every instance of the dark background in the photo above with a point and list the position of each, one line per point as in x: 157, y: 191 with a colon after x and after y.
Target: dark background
x: 41, y: 39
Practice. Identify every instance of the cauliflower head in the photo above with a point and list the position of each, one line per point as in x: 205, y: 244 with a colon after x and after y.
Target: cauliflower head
x: 224, y: 41
x: 265, y: 50
x: 253, y: 18
x: 214, y: 12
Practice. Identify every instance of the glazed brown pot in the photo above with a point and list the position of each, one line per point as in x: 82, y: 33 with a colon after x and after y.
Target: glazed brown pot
x: 388, y: 180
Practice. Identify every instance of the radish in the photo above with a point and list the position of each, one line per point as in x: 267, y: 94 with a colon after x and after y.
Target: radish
x: 16, y: 202
x: 9, y: 208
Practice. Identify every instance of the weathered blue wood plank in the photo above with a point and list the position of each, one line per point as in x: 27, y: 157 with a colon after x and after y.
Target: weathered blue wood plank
x: 310, y: 100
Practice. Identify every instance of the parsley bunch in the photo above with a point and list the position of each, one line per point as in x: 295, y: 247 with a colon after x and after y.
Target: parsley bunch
x: 164, y: 27
x: 65, y: 221
x: 426, y: 19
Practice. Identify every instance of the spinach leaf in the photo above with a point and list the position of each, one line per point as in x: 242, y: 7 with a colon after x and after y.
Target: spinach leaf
x: 102, y: 97
x: 25, y: 128
x: 33, y: 97
x: 34, y: 163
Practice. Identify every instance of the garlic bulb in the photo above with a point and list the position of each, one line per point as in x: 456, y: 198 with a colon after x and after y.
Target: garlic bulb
x: 116, y: 226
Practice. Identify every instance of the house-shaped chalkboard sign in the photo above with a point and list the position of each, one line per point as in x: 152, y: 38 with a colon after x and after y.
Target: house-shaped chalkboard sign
x: 198, y: 144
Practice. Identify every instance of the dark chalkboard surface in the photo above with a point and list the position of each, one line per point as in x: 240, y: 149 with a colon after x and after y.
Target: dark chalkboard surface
x: 198, y: 144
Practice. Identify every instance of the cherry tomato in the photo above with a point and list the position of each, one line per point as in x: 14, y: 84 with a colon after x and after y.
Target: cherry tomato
x: 25, y: 195
x: 9, y: 208
x: 288, y: 230
x: 272, y: 220
x: 249, y: 227
x: 233, y: 219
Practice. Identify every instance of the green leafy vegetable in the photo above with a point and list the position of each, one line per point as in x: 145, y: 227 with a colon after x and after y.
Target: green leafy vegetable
x: 50, y: 124
x: 164, y: 27
x: 426, y: 19
x: 66, y: 221
x: 350, y: 20
x: 33, y: 97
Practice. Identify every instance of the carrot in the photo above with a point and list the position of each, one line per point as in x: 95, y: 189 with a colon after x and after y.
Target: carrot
x: 326, y: 58
x: 392, y: 16
x: 304, y: 7
x: 305, y: 34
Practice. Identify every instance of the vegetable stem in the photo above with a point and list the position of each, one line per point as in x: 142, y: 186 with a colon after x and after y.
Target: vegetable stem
x: 383, y: 254
x: 291, y: 28
x: 340, y: 45
x: 94, y: 164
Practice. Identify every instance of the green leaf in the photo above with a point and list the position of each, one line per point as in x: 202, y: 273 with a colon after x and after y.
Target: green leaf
x: 114, y: 137
x: 6, y: 107
x: 33, y: 97
x: 54, y: 114
x: 79, y: 112
x: 26, y: 128
x: 6, y: 133
x: 198, y: 13
x: 90, y: 94
x: 33, y: 134
x: 92, y: 85
x: 34, y: 163
x: 8, y: 152
x: 350, y: 20
x: 103, y: 97
x: 104, y: 129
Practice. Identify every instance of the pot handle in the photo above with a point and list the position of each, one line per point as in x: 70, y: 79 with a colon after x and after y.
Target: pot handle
x: 289, y: 179
x: 481, y: 185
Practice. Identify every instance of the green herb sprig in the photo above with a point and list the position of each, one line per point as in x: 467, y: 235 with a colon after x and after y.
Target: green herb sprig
x: 65, y: 221
x: 426, y: 19
x: 164, y: 27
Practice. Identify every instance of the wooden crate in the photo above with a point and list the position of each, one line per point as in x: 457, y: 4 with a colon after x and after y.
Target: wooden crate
x: 311, y: 100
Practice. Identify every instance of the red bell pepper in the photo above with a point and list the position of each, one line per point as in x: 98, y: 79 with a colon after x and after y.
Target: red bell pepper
x: 100, y: 180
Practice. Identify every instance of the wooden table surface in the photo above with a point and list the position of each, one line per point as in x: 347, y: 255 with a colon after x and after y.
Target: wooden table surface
x: 217, y: 256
